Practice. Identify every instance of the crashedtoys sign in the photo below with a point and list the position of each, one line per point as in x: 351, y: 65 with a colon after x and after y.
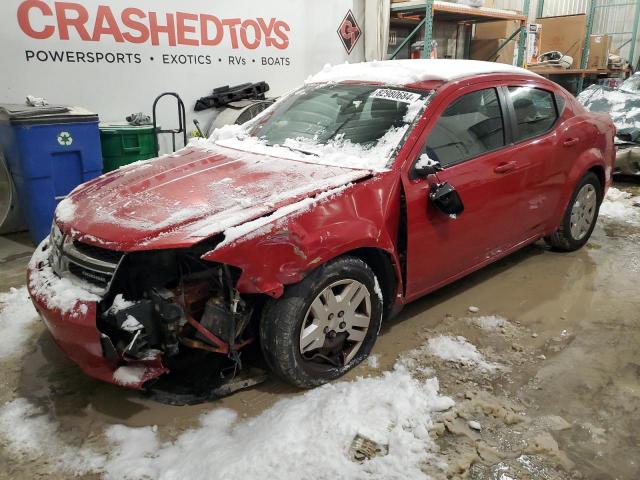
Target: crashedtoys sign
x: 115, y: 56
x: 41, y: 20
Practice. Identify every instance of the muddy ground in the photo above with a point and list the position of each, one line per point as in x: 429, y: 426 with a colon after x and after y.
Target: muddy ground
x: 564, y: 404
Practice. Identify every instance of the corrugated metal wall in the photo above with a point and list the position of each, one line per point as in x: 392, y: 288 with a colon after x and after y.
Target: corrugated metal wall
x: 616, y: 21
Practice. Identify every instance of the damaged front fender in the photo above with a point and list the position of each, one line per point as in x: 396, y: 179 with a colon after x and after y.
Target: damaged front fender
x: 279, y: 253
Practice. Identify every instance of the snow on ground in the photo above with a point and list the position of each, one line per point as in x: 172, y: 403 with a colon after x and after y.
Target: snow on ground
x: 58, y: 293
x: 622, y: 206
x: 373, y: 361
x: 458, y: 350
x: 29, y: 432
x: 393, y: 409
x: 17, y: 314
x: 323, y: 421
x: 488, y: 322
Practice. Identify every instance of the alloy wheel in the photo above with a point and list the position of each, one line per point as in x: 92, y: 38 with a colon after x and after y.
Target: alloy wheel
x: 336, y: 323
x: 583, y: 211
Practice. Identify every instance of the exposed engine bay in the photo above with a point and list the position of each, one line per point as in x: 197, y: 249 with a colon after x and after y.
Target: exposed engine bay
x: 169, y: 298
x: 168, y: 304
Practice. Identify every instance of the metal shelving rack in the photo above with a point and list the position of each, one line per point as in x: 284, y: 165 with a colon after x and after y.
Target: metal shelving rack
x: 430, y: 9
x: 594, y: 5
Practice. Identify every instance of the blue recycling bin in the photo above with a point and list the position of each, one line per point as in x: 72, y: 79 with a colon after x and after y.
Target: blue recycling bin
x: 49, y: 151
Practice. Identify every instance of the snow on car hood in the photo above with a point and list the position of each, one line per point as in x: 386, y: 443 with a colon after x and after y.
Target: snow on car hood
x: 180, y: 199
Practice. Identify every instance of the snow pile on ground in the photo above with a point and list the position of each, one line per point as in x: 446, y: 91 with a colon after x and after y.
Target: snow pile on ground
x: 393, y: 409
x: 16, y: 315
x: 403, y: 72
x: 58, y: 293
x: 488, y: 322
x: 373, y: 361
x: 620, y: 205
x: 458, y: 350
x: 29, y: 432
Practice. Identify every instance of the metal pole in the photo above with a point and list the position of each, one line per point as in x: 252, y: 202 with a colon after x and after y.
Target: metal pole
x: 503, y: 44
x: 408, y: 39
x: 585, y: 48
x: 428, y: 28
x: 540, y: 9
x: 522, y: 42
x: 634, y: 35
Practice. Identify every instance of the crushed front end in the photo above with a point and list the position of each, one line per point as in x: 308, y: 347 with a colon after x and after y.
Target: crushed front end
x: 627, y: 154
x: 131, y: 317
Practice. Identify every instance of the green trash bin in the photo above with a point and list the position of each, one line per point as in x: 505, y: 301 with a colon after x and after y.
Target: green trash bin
x: 123, y: 144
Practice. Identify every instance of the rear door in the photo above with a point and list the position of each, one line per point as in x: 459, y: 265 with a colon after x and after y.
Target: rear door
x: 470, y: 139
x: 540, y: 151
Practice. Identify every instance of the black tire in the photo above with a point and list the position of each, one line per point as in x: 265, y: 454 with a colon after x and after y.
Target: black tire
x: 562, y: 239
x: 282, y: 321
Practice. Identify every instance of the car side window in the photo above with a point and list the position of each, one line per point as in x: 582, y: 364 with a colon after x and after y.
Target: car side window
x: 535, y: 111
x: 470, y: 126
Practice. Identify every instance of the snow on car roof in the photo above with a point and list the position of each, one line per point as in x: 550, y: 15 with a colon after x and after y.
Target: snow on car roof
x: 403, y: 72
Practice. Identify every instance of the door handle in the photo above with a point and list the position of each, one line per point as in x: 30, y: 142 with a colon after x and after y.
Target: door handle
x: 570, y: 142
x: 505, y: 167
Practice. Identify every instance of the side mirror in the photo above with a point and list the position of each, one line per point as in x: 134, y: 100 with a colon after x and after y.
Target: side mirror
x: 446, y: 199
x: 426, y: 166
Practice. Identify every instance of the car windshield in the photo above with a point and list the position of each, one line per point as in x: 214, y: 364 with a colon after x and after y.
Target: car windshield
x: 360, y: 114
x: 351, y: 125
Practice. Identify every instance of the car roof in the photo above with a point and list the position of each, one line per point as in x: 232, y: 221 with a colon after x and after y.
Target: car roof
x: 407, y: 72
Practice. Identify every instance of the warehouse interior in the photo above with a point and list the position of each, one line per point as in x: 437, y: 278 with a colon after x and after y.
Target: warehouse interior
x: 164, y: 188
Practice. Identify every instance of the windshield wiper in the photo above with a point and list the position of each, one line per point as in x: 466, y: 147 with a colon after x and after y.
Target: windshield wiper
x: 306, y: 152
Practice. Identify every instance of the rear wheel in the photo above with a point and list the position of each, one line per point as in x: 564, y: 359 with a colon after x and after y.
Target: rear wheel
x: 579, y: 219
x: 323, y: 326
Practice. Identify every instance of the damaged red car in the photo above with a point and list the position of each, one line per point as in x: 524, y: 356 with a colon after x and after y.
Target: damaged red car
x: 292, y: 238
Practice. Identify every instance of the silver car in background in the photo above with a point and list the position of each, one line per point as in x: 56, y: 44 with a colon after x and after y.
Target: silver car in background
x: 623, y: 105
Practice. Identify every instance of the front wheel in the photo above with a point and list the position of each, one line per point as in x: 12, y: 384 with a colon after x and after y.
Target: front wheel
x: 323, y: 326
x: 579, y: 219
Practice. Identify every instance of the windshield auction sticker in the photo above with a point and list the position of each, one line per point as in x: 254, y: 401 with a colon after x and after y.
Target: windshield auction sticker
x: 395, y: 95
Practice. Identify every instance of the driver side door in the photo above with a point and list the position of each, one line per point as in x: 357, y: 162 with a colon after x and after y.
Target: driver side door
x: 471, y: 140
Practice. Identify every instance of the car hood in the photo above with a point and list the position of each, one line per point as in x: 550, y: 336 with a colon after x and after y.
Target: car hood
x: 178, y: 200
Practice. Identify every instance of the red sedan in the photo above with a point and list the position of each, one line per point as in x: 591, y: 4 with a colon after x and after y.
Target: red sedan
x: 297, y: 234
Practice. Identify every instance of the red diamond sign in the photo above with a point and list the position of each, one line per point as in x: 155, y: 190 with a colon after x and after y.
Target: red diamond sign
x: 349, y: 31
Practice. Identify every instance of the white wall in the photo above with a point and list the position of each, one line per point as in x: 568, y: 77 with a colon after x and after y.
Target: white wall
x: 306, y: 32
